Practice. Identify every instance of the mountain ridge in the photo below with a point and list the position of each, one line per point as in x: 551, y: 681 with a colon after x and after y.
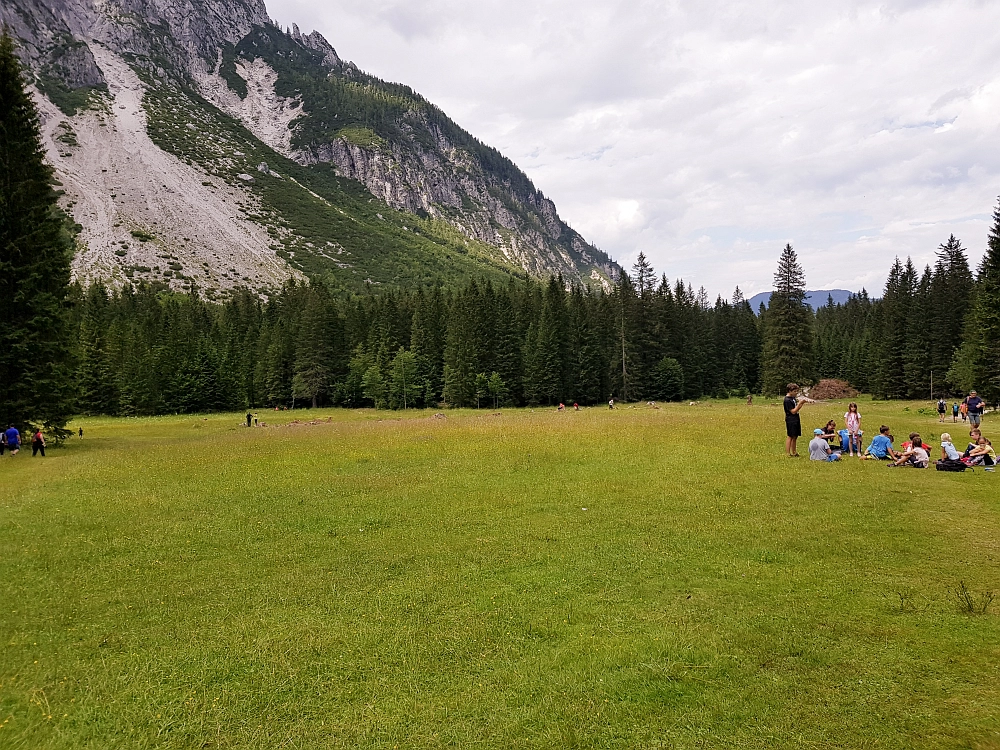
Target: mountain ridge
x: 814, y: 299
x: 269, y: 130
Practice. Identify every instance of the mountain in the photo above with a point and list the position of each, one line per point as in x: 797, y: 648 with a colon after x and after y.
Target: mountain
x: 200, y: 144
x: 815, y: 300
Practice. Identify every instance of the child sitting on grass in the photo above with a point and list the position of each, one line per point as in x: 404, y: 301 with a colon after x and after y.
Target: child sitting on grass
x: 948, y: 450
x: 974, y: 436
x: 982, y: 455
x: 915, y: 457
x: 881, y: 447
x: 819, y: 449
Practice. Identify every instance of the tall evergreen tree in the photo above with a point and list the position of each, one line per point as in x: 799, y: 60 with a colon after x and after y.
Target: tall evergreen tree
x: 977, y: 364
x: 35, y: 252
x: 788, y: 328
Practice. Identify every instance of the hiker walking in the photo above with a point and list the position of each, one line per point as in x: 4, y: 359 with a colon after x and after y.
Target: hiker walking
x: 38, y: 443
x: 13, y: 440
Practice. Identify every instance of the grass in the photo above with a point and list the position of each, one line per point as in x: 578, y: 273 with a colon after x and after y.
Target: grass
x: 637, y: 578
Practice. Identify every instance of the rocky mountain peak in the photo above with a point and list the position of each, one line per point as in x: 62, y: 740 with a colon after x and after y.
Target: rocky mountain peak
x: 337, y: 142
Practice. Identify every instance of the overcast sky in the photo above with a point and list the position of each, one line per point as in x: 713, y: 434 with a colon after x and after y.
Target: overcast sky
x: 708, y: 134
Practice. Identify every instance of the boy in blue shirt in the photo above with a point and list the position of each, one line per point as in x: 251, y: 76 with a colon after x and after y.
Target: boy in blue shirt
x: 881, y: 446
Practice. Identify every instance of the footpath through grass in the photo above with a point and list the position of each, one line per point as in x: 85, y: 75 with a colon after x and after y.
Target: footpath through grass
x: 636, y: 578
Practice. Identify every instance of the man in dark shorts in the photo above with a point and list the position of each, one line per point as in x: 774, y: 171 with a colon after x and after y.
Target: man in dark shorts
x: 793, y: 424
x: 13, y: 440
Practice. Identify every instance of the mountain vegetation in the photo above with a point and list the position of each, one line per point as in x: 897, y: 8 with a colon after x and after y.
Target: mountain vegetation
x: 35, y: 250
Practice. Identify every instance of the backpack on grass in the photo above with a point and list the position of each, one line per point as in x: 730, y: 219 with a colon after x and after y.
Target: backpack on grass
x: 949, y: 464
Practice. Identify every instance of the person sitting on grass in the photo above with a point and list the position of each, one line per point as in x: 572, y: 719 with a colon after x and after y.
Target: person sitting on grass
x: 819, y: 449
x: 881, y: 446
x: 832, y: 437
x: 974, y: 436
x: 915, y: 439
x: 948, y: 450
x: 914, y: 457
x: 982, y: 455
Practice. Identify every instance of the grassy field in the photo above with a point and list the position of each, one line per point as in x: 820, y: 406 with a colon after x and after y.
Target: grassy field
x: 638, y: 578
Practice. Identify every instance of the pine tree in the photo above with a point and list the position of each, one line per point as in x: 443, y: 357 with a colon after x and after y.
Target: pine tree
x: 977, y: 364
x: 35, y: 251
x: 788, y: 329
x: 951, y: 292
x: 96, y: 384
x: 315, y: 351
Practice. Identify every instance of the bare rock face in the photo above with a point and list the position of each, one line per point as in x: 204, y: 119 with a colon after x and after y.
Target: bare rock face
x: 449, y: 184
x: 424, y: 166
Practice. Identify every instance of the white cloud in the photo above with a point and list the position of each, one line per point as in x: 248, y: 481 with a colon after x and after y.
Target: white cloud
x: 709, y: 134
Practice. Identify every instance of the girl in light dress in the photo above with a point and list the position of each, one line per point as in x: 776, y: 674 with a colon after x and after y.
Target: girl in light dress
x: 853, y: 423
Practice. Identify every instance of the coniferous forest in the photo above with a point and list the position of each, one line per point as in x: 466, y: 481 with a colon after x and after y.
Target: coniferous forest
x: 143, y: 351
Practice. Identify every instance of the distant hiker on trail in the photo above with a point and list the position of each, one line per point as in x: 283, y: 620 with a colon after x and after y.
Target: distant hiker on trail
x: 793, y: 423
x: 249, y: 419
x: 976, y: 407
x: 38, y: 443
x: 750, y: 400
x: 853, y: 421
x: 13, y: 440
x: 255, y: 422
x: 954, y: 412
x: 964, y: 408
x: 942, y: 408
x: 819, y: 450
x: 81, y: 433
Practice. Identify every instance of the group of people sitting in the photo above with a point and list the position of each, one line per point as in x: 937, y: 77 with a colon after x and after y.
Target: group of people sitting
x: 829, y: 445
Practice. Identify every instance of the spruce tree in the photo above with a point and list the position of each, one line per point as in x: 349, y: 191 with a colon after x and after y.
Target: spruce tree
x: 35, y: 253
x: 788, y: 328
x: 977, y: 364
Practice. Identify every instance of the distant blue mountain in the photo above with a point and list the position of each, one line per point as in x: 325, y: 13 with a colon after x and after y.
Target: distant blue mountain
x: 814, y: 299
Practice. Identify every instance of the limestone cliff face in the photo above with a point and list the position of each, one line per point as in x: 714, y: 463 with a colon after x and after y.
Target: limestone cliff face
x: 293, y: 92
x: 182, y: 33
x: 448, y: 183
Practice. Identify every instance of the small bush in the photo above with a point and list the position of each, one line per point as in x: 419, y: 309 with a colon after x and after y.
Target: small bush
x: 142, y: 236
x: 967, y: 601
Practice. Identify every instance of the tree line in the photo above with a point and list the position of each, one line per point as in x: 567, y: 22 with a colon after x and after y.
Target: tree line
x: 933, y: 331
x: 527, y: 342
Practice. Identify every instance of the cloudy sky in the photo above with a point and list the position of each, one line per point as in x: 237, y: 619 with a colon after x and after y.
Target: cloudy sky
x: 708, y: 134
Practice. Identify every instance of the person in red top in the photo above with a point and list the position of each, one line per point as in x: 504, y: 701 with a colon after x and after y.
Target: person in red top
x: 38, y: 443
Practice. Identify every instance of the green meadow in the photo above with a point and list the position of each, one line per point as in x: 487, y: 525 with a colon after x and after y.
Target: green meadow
x: 642, y: 578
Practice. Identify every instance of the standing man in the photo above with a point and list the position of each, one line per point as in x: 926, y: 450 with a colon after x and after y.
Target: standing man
x: 942, y: 408
x: 13, y: 440
x: 793, y: 424
x: 976, y: 407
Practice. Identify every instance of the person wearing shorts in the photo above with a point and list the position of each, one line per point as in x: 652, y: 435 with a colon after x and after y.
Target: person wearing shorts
x: 976, y: 406
x: 793, y: 423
